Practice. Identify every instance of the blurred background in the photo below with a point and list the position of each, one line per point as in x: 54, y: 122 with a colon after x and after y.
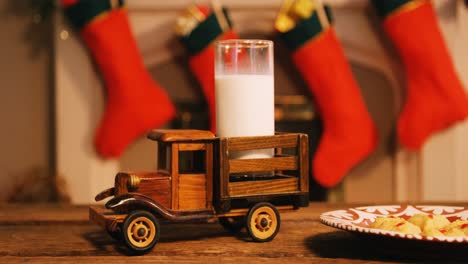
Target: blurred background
x: 52, y: 98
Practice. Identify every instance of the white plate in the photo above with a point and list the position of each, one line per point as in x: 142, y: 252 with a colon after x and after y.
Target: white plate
x: 358, y: 220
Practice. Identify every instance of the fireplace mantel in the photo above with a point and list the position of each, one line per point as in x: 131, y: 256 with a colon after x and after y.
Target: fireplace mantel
x: 79, y: 98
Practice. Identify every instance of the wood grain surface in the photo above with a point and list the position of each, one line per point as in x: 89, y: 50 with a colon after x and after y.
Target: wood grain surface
x: 192, y: 191
x: 257, y: 165
x: 246, y: 188
x: 263, y: 142
x: 168, y: 135
x: 63, y: 234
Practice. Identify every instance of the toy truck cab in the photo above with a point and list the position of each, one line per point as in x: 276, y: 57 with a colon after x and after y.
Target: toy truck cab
x: 181, y: 181
x: 196, y: 178
x: 187, y: 156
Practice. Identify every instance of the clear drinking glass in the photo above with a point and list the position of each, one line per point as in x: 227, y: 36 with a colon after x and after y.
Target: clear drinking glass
x: 245, y: 91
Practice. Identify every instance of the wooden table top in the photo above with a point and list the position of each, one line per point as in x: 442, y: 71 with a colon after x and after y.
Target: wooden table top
x: 59, y: 233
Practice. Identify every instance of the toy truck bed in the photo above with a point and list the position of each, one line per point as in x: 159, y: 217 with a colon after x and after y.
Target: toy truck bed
x: 283, y: 177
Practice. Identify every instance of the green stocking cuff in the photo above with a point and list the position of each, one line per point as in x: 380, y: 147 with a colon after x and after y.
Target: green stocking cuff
x: 205, y: 33
x: 85, y: 11
x: 386, y: 7
x: 304, y: 31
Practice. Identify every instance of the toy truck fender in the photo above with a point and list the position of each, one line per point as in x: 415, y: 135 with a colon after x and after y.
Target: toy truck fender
x: 135, y: 201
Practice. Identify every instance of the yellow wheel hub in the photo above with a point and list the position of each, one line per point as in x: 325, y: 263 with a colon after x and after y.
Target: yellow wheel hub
x: 141, y: 232
x: 263, y: 222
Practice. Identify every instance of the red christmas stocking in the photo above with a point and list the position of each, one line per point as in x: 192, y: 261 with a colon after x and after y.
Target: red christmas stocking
x: 199, y: 43
x: 135, y: 103
x: 435, y: 96
x: 349, y: 134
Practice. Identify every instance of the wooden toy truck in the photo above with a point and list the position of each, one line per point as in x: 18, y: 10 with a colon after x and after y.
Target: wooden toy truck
x: 196, y: 179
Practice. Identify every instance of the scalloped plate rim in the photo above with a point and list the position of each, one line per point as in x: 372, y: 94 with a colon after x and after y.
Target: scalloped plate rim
x: 347, y: 224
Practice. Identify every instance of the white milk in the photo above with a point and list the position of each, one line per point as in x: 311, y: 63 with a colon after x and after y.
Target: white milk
x: 245, y: 107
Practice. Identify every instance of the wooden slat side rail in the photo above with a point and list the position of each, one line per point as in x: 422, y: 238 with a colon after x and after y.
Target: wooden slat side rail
x: 256, y: 165
x: 303, y: 163
x: 263, y: 142
x: 247, y: 188
x: 209, y: 176
x: 175, y: 176
x: 223, y: 169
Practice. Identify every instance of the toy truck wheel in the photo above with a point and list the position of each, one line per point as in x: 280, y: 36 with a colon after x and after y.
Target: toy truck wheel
x: 140, y: 231
x: 263, y: 222
x: 232, y: 224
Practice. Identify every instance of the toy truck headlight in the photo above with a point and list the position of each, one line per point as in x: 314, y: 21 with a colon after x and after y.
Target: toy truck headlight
x: 133, y: 183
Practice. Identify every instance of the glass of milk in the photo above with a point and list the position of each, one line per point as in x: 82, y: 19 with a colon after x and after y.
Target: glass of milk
x: 244, y: 90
